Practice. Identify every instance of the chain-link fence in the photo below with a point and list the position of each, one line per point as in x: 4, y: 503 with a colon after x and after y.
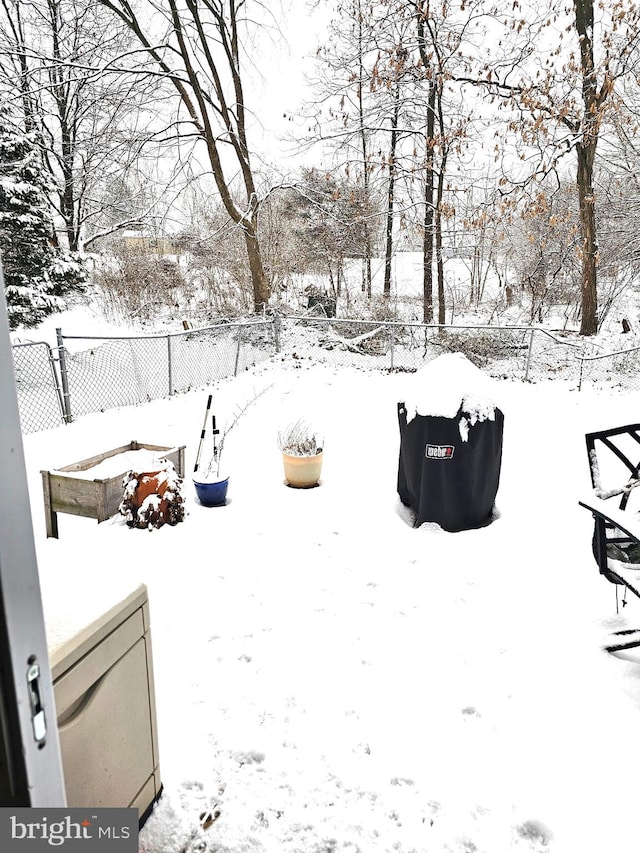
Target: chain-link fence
x: 522, y: 352
x: 124, y: 371
x: 39, y: 394
x: 117, y: 372
x: 200, y: 357
x: 620, y: 368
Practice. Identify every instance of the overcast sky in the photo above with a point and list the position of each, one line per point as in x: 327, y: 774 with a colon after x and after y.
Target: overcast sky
x: 279, y: 86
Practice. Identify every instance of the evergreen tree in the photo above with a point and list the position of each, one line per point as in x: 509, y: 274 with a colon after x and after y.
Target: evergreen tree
x: 36, y: 274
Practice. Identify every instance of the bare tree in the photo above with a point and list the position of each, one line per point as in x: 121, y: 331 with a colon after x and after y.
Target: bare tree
x: 55, y: 67
x: 363, y: 75
x: 200, y: 53
x: 562, y: 97
x: 360, y: 31
x: 433, y: 83
x: 585, y: 125
x: 443, y: 40
x: 326, y: 217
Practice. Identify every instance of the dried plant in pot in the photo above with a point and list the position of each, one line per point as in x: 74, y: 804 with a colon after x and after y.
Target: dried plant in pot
x: 210, y: 481
x: 302, y: 454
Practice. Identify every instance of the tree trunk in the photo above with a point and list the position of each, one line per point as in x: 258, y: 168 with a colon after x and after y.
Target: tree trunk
x: 368, y: 262
x: 427, y: 237
x: 365, y: 153
x: 586, y: 152
x: 427, y: 251
x: 433, y: 212
x: 23, y: 83
x: 59, y: 78
x: 589, y: 290
x: 68, y: 194
x: 388, y: 253
x: 439, y: 199
x: 440, y: 264
x: 261, y: 286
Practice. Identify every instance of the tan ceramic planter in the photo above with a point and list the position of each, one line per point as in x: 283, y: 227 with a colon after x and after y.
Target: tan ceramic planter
x: 302, y: 472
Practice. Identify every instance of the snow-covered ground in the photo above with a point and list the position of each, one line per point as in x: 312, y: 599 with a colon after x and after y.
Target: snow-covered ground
x: 330, y: 679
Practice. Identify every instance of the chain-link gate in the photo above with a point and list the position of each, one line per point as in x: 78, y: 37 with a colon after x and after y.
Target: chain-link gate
x: 117, y: 372
x: 39, y: 393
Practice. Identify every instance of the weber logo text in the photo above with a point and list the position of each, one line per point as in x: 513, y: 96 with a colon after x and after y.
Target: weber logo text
x: 35, y: 829
x: 439, y: 451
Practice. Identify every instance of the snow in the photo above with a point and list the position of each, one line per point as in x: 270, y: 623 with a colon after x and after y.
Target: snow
x: 329, y: 678
x: 446, y: 384
x: 450, y: 384
x: 75, y: 320
x: 210, y: 477
x: 118, y: 465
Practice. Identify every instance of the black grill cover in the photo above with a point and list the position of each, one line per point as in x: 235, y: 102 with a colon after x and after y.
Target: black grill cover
x: 445, y: 479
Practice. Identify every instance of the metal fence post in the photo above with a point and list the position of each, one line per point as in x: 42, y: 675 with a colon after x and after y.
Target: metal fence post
x: 391, y: 337
x: 235, y: 369
x: 56, y: 383
x: 170, y: 368
x: 526, y: 371
x: 64, y: 377
x: 277, y: 323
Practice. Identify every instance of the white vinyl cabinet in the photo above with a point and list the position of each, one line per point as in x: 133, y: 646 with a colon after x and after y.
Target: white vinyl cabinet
x: 105, y: 704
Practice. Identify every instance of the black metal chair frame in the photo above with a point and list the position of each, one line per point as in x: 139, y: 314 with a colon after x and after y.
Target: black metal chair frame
x: 612, y: 525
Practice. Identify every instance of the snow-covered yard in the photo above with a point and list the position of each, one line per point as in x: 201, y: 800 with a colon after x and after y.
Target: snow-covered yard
x: 330, y: 679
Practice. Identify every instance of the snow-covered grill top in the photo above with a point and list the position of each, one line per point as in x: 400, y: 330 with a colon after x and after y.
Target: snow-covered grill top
x: 448, y: 384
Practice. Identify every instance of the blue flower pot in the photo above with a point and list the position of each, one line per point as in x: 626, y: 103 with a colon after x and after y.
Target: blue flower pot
x: 212, y: 494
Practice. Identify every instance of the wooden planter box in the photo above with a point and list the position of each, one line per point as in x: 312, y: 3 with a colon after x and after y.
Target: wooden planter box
x: 93, y: 498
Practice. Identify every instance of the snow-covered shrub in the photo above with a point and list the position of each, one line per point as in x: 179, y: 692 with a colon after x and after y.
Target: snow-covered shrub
x: 152, y: 498
x: 140, y: 283
x: 218, y: 294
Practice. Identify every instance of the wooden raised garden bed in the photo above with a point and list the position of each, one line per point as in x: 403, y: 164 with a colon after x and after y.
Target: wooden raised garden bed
x: 73, y: 489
